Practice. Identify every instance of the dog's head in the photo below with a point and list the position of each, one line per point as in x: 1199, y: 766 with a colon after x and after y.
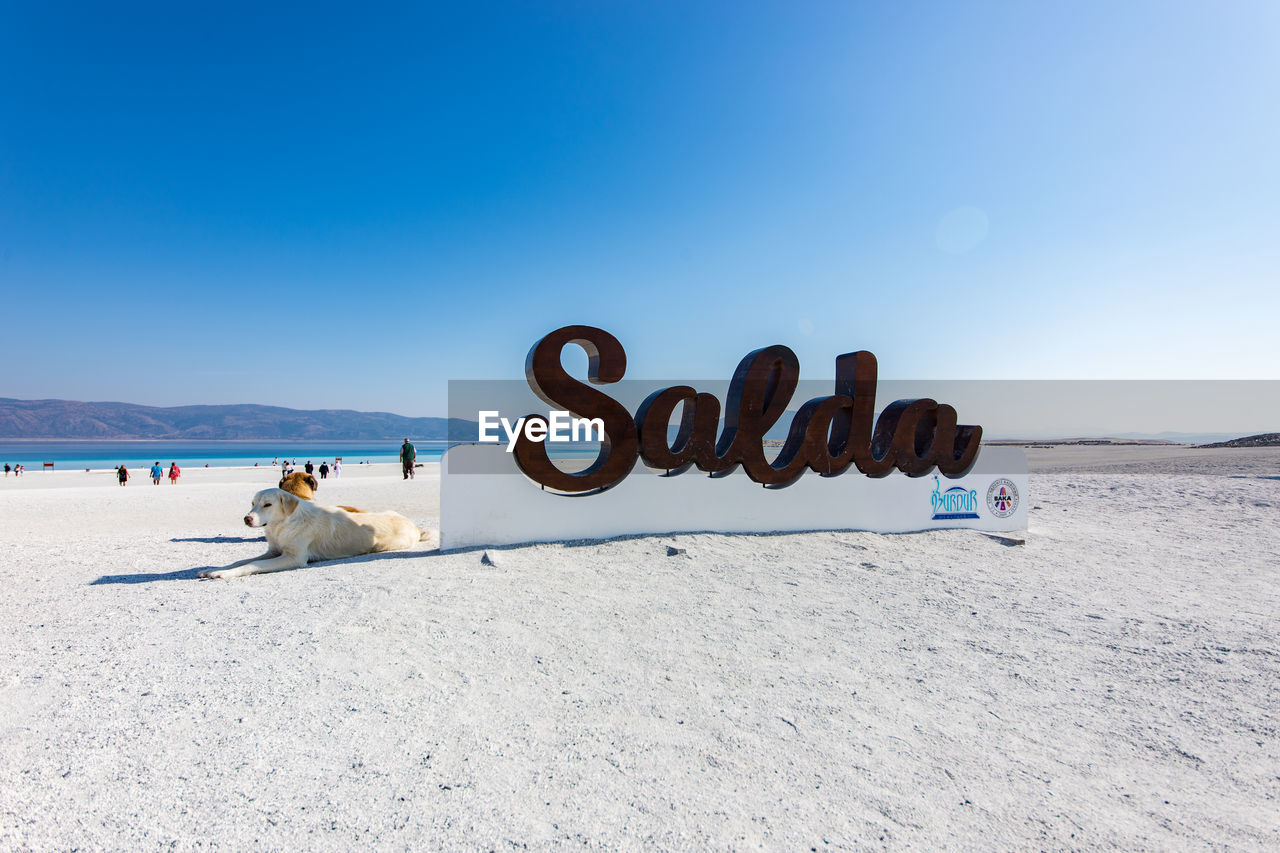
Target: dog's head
x: 270, y: 506
x: 301, y: 484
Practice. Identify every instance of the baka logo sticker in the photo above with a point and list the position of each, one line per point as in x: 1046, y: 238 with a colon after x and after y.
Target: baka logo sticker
x: 1002, y: 498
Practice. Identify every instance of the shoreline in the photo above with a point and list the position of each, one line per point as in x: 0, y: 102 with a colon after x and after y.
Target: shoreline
x: 133, y: 471
x: 236, y: 440
x: 1040, y: 459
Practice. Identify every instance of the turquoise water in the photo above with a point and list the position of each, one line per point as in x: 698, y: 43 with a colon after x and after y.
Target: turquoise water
x: 78, y: 455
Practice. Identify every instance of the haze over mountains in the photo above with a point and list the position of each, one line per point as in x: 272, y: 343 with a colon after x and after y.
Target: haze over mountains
x: 70, y: 419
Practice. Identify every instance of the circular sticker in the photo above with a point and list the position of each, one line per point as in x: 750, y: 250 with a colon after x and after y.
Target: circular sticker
x: 1002, y: 498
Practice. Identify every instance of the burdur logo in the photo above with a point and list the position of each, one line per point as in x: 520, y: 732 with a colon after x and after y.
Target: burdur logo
x: 1002, y: 498
x: 955, y: 503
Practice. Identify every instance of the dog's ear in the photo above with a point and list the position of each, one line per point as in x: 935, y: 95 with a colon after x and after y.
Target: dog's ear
x: 288, y: 503
x: 311, y: 480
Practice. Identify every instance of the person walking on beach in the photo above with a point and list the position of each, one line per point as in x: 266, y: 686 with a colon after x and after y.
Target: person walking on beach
x: 408, y: 455
x: 174, y: 473
x: 309, y: 468
x: 6, y: 469
x: 324, y: 470
x: 122, y: 474
x: 337, y: 468
x: 156, y: 473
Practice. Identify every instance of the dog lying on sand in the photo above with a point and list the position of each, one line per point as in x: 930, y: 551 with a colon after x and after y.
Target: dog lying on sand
x: 304, y: 485
x: 299, y: 532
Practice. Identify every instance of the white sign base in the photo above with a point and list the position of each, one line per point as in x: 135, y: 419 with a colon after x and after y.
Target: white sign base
x: 506, y: 509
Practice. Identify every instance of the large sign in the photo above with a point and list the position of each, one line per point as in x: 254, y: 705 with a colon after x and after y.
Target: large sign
x: 923, y: 470
x: 827, y: 434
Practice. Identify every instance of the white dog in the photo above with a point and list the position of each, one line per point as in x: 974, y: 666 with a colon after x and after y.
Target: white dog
x: 299, y: 532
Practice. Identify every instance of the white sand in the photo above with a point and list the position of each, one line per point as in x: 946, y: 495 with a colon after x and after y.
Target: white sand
x: 1115, y: 682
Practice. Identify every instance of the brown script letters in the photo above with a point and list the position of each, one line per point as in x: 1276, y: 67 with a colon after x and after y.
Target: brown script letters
x: 827, y: 434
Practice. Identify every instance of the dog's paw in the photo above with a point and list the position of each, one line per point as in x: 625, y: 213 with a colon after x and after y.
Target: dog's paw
x: 219, y: 574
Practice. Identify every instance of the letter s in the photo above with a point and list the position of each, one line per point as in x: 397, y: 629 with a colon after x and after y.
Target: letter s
x: 554, y: 386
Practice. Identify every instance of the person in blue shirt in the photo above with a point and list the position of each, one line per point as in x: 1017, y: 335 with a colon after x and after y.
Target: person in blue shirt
x: 156, y: 473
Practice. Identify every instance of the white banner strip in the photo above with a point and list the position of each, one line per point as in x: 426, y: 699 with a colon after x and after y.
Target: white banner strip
x: 507, y: 509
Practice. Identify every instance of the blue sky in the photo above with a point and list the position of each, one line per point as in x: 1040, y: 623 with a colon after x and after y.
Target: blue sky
x: 347, y: 205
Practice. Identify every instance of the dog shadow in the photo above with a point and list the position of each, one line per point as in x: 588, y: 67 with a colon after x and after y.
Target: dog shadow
x: 379, y: 557
x: 217, y: 540
x: 149, y: 577
x: 193, y: 573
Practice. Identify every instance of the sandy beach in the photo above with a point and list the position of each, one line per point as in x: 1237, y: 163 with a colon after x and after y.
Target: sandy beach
x: 1114, y: 682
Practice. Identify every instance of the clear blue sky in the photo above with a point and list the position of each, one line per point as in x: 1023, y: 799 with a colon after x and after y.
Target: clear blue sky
x: 347, y: 205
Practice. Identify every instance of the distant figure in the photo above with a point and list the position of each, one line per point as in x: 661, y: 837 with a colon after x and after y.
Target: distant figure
x: 275, y: 462
x: 408, y: 455
x: 156, y: 473
x: 174, y: 473
x: 17, y: 470
x: 7, y: 469
x: 337, y: 470
x: 122, y: 474
x: 309, y: 468
x: 324, y: 470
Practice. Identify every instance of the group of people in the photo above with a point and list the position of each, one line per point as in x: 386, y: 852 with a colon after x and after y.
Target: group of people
x: 408, y: 458
x: 287, y: 468
x: 157, y: 474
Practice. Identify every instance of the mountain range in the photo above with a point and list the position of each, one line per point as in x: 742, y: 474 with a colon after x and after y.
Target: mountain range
x: 1266, y: 439
x: 71, y: 419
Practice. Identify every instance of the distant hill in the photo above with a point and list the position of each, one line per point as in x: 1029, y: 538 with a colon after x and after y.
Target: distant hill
x: 70, y: 419
x: 1088, y: 442
x: 1266, y: 439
